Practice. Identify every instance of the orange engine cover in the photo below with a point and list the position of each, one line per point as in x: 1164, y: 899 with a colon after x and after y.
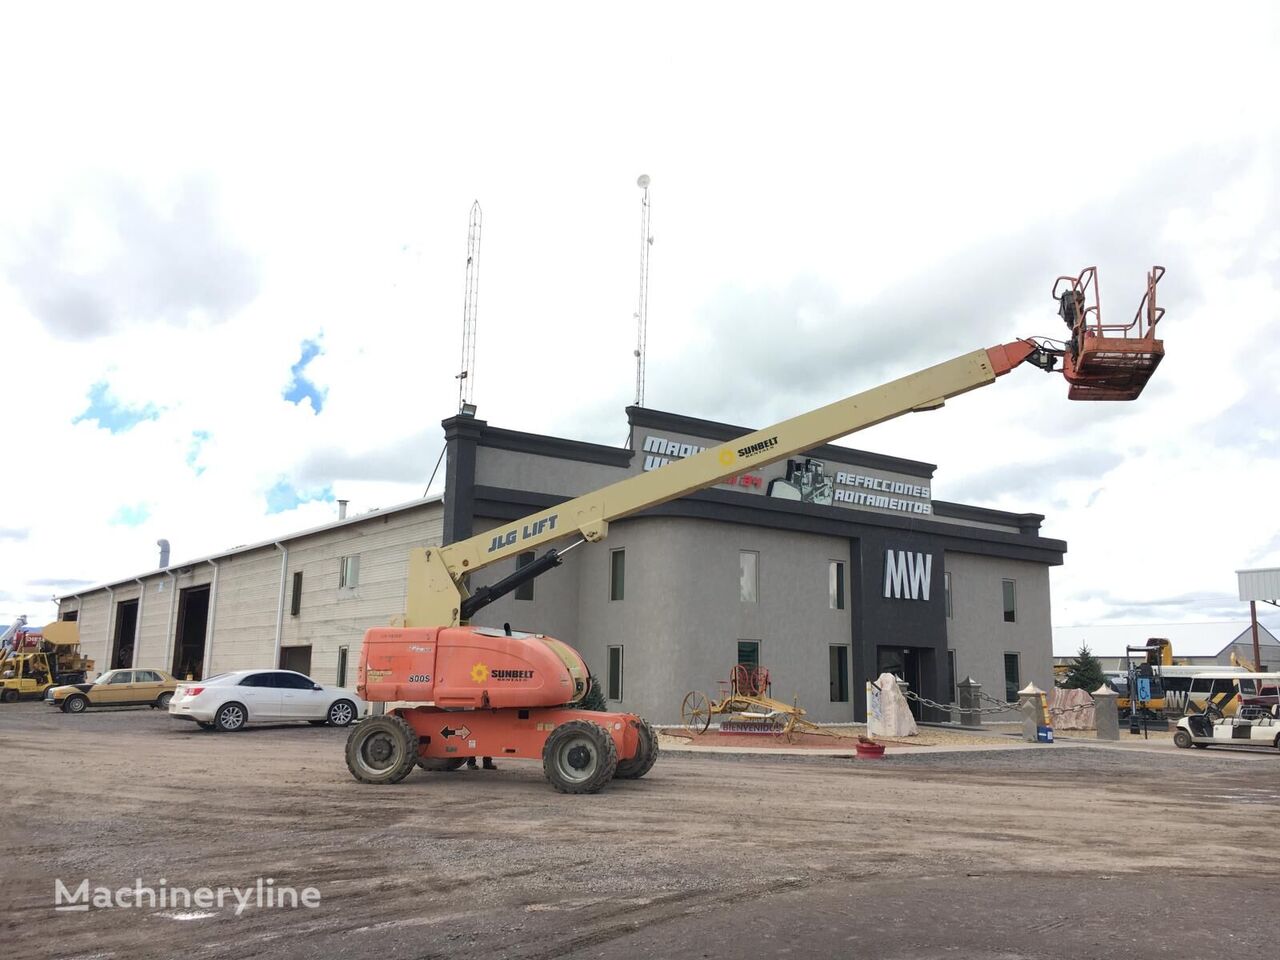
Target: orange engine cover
x: 468, y: 667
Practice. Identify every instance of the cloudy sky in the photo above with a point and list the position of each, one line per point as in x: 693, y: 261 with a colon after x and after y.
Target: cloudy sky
x: 233, y: 238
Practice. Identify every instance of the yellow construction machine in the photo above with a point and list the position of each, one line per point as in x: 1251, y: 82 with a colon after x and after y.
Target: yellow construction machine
x: 42, y: 658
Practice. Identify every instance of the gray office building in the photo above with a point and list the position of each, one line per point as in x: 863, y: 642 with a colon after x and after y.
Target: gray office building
x: 827, y: 569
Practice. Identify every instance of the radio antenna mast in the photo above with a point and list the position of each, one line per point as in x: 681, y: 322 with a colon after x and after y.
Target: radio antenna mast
x: 642, y: 309
x: 471, y: 301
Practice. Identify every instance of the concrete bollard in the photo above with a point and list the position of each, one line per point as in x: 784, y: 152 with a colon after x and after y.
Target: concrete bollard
x: 1035, y: 712
x: 1106, y: 716
x: 970, y: 696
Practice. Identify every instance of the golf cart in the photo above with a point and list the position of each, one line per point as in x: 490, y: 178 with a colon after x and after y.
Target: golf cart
x: 1256, y: 722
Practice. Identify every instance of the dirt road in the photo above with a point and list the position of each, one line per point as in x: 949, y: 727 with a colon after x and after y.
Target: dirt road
x: 1067, y: 851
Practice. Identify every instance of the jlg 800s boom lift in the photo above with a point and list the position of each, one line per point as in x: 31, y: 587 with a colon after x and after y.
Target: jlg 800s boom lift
x: 454, y: 691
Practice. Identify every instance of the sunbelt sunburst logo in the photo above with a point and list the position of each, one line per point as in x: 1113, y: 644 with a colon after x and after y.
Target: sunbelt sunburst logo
x: 479, y: 673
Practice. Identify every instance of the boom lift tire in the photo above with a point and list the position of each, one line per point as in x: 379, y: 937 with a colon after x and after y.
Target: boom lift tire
x: 441, y: 764
x: 646, y: 754
x: 382, y: 750
x: 579, y: 757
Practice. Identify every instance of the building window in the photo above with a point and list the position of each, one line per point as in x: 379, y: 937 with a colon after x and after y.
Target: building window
x: 839, y: 674
x: 341, y: 681
x: 617, y: 574
x: 1010, y: 601
x: 71, y: 616
x: 1012, y: 683
x: 348, y: 572
x: 748, y: 575
x: 946, y: 591
x: 835, y: 585
x: 749, y: 653
x: 525, y: 590
x: 295, y: 602
x: 951, y: 677
x: 615, y: 674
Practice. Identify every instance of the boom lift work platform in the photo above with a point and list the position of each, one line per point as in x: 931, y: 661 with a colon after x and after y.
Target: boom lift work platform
x: 451, y: 691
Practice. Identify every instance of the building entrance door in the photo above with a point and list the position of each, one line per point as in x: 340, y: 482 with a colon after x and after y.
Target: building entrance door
x: 905, y: 663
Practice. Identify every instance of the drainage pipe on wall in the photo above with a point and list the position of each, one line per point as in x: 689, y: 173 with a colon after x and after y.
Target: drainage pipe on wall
x: 111, y: 615
x: 284, y: 570
x: 168, y: 627
x: 208, y: 627
x: 137, y: 627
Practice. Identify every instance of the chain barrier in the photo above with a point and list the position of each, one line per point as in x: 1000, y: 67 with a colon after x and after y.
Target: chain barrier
x: 1063, y: 711
x: 926, y: 702
x: 999, y: 706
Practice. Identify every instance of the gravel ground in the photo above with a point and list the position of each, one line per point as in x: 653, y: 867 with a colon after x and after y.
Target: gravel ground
x: 1073, y: 851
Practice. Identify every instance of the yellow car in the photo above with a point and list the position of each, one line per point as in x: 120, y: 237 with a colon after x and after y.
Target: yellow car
x: 115, y: 688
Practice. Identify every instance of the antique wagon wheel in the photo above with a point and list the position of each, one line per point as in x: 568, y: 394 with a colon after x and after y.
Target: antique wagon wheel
x: 695, y: 712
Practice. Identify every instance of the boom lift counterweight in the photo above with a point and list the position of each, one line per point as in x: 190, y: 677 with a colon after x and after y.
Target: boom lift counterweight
x: 524, y: 693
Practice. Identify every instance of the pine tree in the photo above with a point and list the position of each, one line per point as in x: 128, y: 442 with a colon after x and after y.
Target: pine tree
x: 1084, y: 672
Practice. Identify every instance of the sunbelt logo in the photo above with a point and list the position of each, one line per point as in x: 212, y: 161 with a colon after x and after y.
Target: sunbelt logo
x: 205, y: 901
x: 907, y: 575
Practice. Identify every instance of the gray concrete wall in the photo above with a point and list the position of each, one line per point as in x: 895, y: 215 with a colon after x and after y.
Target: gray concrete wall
x: 977, y: 630
x: 681, y: 617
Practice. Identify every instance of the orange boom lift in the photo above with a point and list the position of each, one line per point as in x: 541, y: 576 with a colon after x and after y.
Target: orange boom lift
x: 448, y: 691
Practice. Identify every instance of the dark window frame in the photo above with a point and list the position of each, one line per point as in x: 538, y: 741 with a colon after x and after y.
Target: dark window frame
x: 755, y: 576
x: 613, y: 689
x: 295, y: 602
x: 1011, y: 692
x: 341, y: 679
x: 1009, y: 596
x: 836, y: 598
x: 349, y: 571
x: 617, y: 574
x: 838, y: 672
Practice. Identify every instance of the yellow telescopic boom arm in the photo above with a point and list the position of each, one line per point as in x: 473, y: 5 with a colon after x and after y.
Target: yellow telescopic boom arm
x: 436, y: 590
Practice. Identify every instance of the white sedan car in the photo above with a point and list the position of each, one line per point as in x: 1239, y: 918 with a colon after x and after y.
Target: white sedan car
x: 228, y: 701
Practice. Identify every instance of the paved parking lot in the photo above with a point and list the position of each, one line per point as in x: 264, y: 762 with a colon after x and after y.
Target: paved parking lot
x: 1069, y: 850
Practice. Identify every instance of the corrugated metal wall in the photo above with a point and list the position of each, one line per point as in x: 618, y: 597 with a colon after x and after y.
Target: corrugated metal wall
x: 244, y: 611
x: 95, y: 610
x: 1259, y: 584
x: 330, y: 616
x: 155, y: 614
x: 246, y: 605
